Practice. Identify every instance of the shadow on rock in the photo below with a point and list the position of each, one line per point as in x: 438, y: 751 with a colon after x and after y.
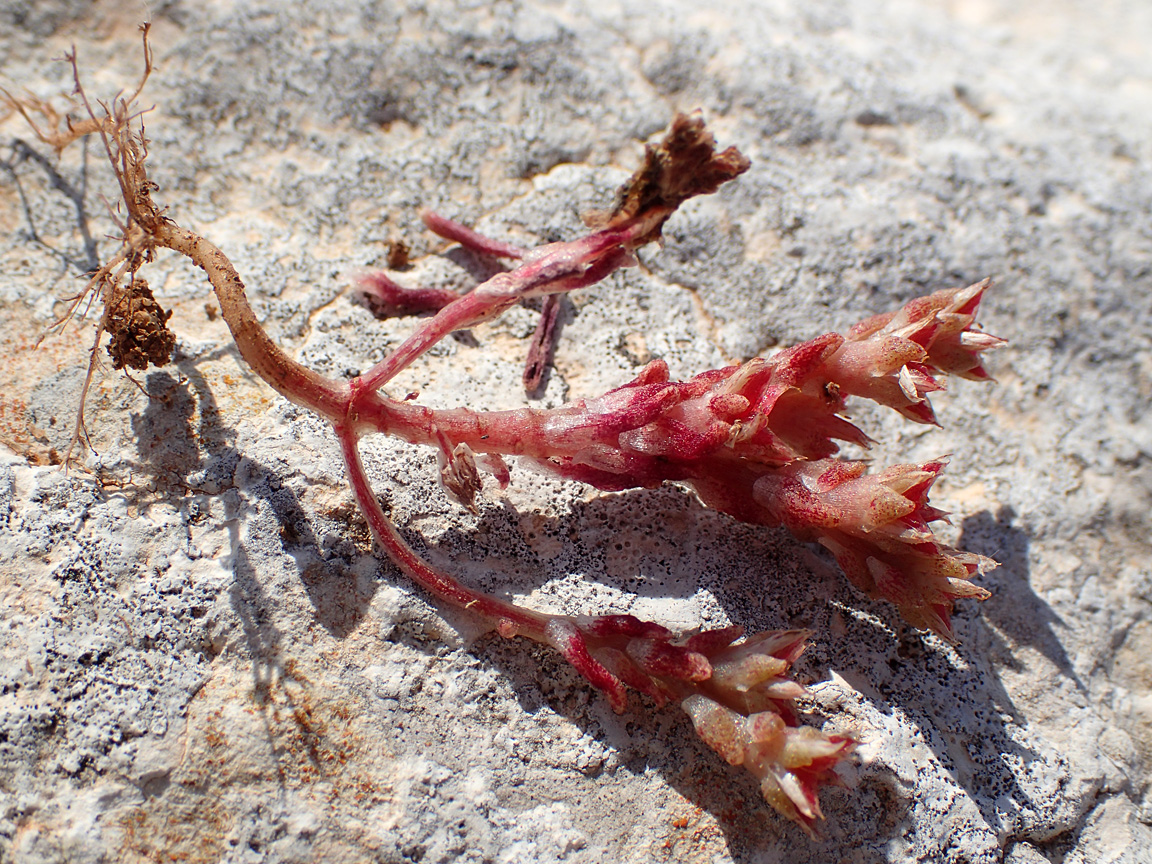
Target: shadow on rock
x: 338, y: 597
x: 662, y: 544
x: 954, y: 695
x: 632, y: 542
x: 617, y: 542
x: 165, y: 440
x: 1014, y: 609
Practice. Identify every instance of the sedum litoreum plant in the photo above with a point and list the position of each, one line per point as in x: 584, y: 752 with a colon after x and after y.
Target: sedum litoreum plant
x: 758, y: 440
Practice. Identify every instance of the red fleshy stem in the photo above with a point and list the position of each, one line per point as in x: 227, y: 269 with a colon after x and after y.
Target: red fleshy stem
x: 510, y: 619
x: 469, y: 239
x: 543, y: 342
x: 554, y: 269
x: 736, y: 695
x: 386, y: 299
x: 753, y: 440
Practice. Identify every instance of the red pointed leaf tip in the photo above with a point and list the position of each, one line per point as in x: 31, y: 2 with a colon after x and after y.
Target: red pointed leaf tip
x: 877, y: 526
x: 956, y: 347
x: 790, y: 763
x: 890, y: 358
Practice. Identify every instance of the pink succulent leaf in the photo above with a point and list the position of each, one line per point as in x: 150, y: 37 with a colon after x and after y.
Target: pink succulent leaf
x: 466, y: 237
x: 887, y: 369
x: 748, y: 671
x: 877, y: 527
x: 942, y: 324
x: 660, y: 659
x: 803, y: 425
x: 627, y: 411
x: 797, y: 365
x: 609, y: 470
x: 497, y: 467
x: 791, y: 763
x: 785, y: 646
x: 737, y: 694
x: 708, y: 642
x: 623, y: 667
x: 654, y: 372
x: 624, y: 625
x: 386, y: 299
x: 955, y: 347
x: 567, y: 638
x: 750, y: 677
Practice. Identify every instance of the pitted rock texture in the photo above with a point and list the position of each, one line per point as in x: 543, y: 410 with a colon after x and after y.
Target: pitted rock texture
x: 201, y: 656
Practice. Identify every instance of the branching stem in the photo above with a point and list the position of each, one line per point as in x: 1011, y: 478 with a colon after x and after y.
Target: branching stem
x: 754, y: 440
x: 510, y: 620
x: 331, y: 399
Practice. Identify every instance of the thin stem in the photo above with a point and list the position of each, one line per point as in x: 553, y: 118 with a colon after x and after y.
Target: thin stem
x: 543, y: 343
x: 510, y: 619
x: 295, y: 382
x: 462, y: 313
x: 553, y: 269
x: 469, y: 239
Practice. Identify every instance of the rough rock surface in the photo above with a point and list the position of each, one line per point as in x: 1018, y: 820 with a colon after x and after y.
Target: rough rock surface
x: 202, y: 659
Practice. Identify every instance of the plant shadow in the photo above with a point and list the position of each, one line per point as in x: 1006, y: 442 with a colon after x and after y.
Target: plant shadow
x: 1015, y: 615
x: 180, y: 435
x: 660, y: 550
x: 627, y: 565
x: 953, y: 695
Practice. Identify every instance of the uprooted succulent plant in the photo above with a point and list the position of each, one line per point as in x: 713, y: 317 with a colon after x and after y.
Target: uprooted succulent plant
x: 756, y: 441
